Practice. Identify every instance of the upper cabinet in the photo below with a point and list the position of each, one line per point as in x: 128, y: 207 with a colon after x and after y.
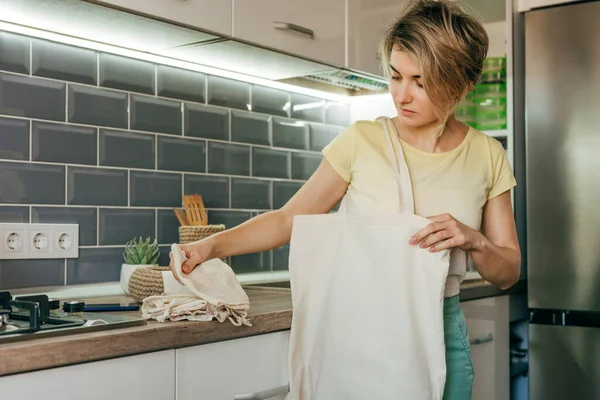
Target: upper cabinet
x: 210, y: 15
x: 526, y: 5
x: 368, y: 21
x: 314, y: 29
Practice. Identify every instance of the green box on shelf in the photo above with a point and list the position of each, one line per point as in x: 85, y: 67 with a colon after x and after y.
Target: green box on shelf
x: 489, y: 90
x: 494, y: 64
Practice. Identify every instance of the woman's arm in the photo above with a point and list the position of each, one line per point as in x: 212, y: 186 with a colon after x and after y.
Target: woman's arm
x: 498, y: 256
x: 495, y: 250
x: 318, y: 195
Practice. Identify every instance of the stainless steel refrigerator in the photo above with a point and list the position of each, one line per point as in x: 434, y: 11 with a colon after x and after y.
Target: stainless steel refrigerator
x: 562, y: 152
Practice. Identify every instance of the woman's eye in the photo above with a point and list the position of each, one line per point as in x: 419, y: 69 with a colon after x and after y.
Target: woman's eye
x: 396, y: 77
x: 420, y: 84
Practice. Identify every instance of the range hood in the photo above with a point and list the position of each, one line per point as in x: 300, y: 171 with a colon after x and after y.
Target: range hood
x: 100, y: 25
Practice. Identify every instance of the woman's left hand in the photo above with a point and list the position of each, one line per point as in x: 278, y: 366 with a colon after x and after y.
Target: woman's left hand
x: 445, y: 232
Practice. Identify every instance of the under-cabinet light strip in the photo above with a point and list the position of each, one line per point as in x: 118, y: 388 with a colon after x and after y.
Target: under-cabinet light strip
x: 89, y: 44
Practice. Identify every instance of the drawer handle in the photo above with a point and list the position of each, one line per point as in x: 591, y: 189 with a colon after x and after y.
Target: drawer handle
x: 286, y: 26
x: 266, y: 394
x: 484, y: 339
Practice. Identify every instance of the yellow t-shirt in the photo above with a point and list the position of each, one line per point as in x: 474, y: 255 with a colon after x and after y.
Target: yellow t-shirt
x: 457, y: 182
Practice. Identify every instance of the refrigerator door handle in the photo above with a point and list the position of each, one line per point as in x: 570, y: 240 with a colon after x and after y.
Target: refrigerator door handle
x: 481, y: 340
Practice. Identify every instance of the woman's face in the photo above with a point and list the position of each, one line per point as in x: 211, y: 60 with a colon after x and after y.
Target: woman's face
x: 406, y: 87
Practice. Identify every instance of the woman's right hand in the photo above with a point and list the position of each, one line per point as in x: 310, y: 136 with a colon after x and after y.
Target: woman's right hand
x: 196, y: 253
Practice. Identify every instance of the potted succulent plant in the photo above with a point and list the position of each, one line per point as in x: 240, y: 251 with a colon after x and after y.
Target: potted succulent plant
x: 137, y: 254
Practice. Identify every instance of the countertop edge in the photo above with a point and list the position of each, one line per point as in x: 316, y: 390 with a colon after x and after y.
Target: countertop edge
x: 61, y: 351
x: 58, y: 351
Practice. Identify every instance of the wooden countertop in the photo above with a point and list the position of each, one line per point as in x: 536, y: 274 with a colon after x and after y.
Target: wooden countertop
x: 270, y: 311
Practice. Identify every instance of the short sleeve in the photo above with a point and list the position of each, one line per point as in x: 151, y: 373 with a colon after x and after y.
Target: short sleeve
x: 503, y: 178
x: 340, y: 152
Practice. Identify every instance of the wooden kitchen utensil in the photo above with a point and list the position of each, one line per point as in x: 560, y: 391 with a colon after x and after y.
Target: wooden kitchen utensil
x: 194, y: 209
x: 181, y: 217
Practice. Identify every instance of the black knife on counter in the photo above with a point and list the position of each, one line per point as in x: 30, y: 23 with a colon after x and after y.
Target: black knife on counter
x: 111, y: 307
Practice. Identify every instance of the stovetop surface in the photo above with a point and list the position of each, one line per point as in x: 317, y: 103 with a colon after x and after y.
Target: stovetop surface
x: 29, y: 317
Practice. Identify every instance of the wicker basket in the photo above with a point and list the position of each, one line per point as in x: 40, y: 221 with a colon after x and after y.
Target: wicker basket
x: 191, y: 233
x: 145, y: 282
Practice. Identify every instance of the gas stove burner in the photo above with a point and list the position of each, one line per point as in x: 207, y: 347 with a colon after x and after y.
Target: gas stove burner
x: 28, y: 317
x: 29, y: 314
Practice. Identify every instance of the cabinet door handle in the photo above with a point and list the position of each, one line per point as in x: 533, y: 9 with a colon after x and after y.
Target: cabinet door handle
x: 481, y: 340
x: 265, y: 394
x: 286, y: 26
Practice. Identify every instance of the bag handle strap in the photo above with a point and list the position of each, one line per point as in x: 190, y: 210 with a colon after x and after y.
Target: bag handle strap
x: 405, y: 193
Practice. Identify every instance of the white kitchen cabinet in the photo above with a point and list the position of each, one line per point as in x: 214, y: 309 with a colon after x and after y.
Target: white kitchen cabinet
x: 526, y: 5
x: 218, y: 371
x: 147, y: 376
x: 312, y: 29
x: 210, y: 15
x: 368, y: 21
x: 488, y: 323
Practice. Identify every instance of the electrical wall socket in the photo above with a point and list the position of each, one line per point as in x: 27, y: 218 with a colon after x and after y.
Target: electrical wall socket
x: 29, y: 241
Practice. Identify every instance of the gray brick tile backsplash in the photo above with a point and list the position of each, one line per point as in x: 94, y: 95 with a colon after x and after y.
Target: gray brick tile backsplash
x: 14, y: 139
x: 308, y: 108
x: 206, y: 122
x: 84, y: 216
x: 17, y: 274
x: 337, y: 113
x: 126, y: 74
x: 95, y: 265
x: 249, y: 128
x: 224, y: 158
x: 163, y: 258
x: 168, y: 227
x: 24, y: 96
x: 291, y: 134
x: 283, y: 191
x: 304, y: 164
x: 281, y: 257
x: 270, y: 163
x: 253, y: 262
x: 96, y: 186
x: 26, y: 183
x: 14, y: 214
x: 228, y: 93
x: 227, y: 217
x: 59, y: 61
x: 126, y: 149
x: 214, y: 189
x: 155, y: 189
x: 113, y: 146
x: 14, y: 53
x: 250, y: 193
x: 179, y: 154
x: 270, y: 101
x: 92, y: 106
x: 181, y: 84
x: 155, y: 115
x: 63, y: 143
x: 322, y: 135
x: 120, y: 225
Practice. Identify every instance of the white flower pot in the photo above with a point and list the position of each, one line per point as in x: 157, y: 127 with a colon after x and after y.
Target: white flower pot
x: 127, y: 270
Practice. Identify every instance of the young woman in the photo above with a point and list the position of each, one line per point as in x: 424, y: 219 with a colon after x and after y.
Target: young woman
x: 461, y: 177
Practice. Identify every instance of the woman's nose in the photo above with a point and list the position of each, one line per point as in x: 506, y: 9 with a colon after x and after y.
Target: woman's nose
x: 403, y: 94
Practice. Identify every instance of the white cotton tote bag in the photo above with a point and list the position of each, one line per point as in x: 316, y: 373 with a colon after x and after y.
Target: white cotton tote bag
x: 368, y: 307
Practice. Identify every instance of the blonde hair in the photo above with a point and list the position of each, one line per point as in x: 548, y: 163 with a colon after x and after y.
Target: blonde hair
x: 447, y: 43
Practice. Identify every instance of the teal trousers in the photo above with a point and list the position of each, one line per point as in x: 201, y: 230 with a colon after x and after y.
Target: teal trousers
x: 459, y: 367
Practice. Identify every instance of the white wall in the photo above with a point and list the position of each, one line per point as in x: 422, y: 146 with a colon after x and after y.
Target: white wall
x: 371, y: 107
x: 497, y: 34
